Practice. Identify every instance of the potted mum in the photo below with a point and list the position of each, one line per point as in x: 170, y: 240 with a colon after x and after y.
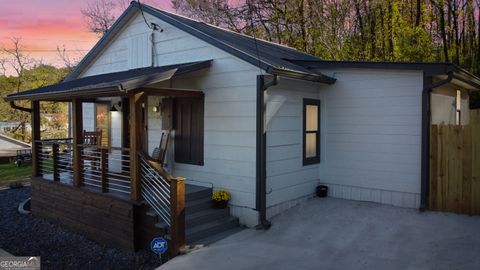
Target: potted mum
x: 220, y: 198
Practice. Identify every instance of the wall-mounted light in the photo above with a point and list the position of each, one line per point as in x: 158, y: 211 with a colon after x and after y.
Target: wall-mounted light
x: 115, y: 106
x: 157, y: 108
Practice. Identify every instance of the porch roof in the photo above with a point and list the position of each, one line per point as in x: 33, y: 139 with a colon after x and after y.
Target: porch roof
x: 113, y: 84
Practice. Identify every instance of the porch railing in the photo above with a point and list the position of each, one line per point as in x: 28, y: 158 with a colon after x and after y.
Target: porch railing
x: 155, y: 190
x: 106, y: 169
x: 55, y: 159
x: 165, y: 194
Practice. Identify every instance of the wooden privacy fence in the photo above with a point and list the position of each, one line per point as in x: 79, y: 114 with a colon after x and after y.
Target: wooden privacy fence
x: 455, y: 167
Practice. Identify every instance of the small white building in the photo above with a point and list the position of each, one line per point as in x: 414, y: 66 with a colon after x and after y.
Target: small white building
x: 9, y: 147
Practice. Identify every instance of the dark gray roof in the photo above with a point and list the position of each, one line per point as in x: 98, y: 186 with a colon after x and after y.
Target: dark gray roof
x: 271, y: 57
x: 111, y: 83
x: 428, y: 68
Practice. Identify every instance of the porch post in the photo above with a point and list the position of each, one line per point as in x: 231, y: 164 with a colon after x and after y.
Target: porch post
x: 35, y: 137
x: 136, y: 143
x: 77, y: 122
x: 177, y: 205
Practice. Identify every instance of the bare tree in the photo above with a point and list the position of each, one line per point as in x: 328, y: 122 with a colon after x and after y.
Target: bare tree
x: 67, y: 60
x: 99, y: 15
x: 17, y: 59
x: 19, y: 62
x: 3, y: 66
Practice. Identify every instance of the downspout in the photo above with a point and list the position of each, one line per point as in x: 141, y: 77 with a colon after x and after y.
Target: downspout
x: 428, y: 87
x: 261, y: 164
x: 16, y: 107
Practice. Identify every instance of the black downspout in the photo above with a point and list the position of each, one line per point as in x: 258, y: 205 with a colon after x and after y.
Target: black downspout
x: 261, y: 164
x: 16, y: 107
x: 428, y: 87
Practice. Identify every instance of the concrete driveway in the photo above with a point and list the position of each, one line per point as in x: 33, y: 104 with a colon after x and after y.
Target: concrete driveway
x: 340, y: 234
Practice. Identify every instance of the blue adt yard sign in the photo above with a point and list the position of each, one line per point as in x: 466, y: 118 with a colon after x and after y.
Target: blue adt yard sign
x: 159, y: 245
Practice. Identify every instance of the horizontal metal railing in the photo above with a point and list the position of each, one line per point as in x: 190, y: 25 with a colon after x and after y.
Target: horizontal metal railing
x: 106, y: 169
x: 55, y: 159
x: 156, y: 189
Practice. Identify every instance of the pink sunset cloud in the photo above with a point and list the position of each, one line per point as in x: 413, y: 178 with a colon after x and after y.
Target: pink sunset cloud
x: 44, y: 25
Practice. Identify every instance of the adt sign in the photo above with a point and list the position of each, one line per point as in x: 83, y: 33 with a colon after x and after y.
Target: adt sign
x: 159, y: 245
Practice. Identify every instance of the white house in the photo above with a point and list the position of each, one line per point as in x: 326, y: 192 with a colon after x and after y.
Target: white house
x: 272, y: 122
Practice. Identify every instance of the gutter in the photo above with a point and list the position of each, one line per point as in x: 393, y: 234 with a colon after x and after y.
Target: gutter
x: 261, y: 164
x: 428, y: 87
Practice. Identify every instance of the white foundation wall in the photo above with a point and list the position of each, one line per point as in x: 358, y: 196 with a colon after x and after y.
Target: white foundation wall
x: 229, y: 86
x: 288, y: 181
x: 372, y: 136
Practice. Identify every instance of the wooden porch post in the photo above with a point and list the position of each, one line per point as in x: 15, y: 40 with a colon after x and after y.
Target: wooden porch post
x: 35, y: 136
x: 177, y: 204
x: 136, y: 143
x: 77, y: 123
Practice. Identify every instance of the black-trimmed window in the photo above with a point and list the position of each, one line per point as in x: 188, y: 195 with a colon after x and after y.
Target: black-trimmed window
x: 311, y: 131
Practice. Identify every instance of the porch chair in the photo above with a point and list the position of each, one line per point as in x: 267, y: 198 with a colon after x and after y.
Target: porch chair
x: 93, y: 138
x: 159, y: 153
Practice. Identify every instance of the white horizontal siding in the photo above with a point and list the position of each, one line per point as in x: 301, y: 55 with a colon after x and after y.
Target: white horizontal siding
x: 372, y: 136
x: 287, y: 178
x: 229, y: 86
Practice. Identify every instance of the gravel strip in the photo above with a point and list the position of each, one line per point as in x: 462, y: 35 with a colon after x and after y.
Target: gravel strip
x: 25, y: 235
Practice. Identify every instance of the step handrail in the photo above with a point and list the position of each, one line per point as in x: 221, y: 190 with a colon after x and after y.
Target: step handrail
x: 165, y: 194
x: 156, y: 165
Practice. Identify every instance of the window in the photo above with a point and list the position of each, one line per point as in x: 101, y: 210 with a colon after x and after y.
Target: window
x: 188, y: 125
x: 311, y: 131
x: 102, y: 121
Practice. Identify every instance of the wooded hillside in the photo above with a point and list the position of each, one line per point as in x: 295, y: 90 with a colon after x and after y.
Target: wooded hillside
x: 374, y: 30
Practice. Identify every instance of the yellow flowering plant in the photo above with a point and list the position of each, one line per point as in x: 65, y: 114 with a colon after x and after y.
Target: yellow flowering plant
x: 220, y: 196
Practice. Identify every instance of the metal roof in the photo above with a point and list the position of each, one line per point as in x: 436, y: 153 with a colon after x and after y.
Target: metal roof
x: 428, y: 68
x: 268, y: 56
x: 118, y: 83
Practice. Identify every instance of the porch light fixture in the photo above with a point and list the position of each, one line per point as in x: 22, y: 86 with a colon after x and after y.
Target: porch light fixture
x: 158, y: 107
x: 114, y: 106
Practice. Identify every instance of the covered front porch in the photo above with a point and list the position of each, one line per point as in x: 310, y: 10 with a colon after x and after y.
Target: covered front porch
x: 106, y: 169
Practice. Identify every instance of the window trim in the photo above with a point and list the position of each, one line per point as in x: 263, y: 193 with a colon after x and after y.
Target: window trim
x: 315, y: 159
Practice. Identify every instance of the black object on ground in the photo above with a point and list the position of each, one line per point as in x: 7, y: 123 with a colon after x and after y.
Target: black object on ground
x: 322, y: 191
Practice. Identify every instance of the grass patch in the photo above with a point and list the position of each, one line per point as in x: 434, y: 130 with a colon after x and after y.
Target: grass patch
x: 10, y: 173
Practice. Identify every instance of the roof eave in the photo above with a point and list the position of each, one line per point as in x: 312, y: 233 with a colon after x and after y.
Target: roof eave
x: 312, y: 77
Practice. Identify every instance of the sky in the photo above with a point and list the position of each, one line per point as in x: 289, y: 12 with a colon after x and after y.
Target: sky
x: 45, y: 24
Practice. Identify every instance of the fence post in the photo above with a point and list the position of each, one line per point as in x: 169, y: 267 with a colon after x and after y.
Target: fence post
x: 56, y: 172
x: 104, y: 168
x: 177, y: 204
